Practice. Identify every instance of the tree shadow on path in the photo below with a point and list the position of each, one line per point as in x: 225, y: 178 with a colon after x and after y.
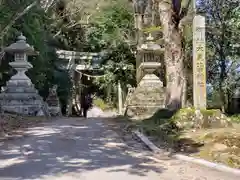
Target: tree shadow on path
x: 71, y: 146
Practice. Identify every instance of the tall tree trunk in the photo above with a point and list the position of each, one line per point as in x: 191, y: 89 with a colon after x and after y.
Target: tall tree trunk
x: 173, y: 55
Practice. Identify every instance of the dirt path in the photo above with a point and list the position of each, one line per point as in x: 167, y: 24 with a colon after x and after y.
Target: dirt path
x: 74, y: 148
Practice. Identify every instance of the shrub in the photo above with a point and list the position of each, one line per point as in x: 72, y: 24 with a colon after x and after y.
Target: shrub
x: 192, y: 118
x: 235, y: 118
x: 100, y: 103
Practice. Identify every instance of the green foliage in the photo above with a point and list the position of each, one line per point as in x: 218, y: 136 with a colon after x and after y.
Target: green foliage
x: 34, y: 25
x: 223, y: 55
x: 112, y: 27
x: 152, y: 29
x: 100, y: 103
x: 61, y: 27
x: 191, y: 118
x: 235, y: 118
x: 112, y: 32
x: 214, y: 100
x: 172, y: 123
x: 62, y: 79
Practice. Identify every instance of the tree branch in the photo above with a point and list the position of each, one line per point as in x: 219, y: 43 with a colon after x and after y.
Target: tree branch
x: 5, y: 30
x: 19, y: 15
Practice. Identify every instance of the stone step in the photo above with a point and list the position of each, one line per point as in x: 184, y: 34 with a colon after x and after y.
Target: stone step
x: 20, y: 96
x: 20, y: 90
x: 53, y: 104
x: 146, y: 99
x: 146, y: 106
x: 147, y: 93
x: 20, y: 103
x: 23, y: 109
x: 20, y: 83
x: 134, y: 111
x: 160, y: 101
x: 148, y: 96
x: 23, y: 105
x: 148, y: 90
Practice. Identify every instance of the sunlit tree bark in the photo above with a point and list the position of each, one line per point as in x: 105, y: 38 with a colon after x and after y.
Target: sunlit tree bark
x: 172, y: 15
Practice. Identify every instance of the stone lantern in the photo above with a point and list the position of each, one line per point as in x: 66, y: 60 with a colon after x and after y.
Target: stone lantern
x: 150, y: 54
x: 19, y: 95
x: 149, y: 95
x: 21, y: 50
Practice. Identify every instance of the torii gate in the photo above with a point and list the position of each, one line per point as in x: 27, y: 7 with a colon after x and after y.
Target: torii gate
x: 78, y: 61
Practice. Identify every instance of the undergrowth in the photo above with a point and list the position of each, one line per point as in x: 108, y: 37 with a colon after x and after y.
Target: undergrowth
x: 100, y: 103
x: 185, y: 132
x: 235, y: 118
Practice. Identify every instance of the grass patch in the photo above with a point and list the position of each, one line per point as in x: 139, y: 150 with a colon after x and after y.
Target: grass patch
x: 235, y: 118
x: 209, y: 135
x: 101, y: 104
x: 220, y: 144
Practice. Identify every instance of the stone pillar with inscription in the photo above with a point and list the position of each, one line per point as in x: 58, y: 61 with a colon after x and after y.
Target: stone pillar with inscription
x: 199, y: 63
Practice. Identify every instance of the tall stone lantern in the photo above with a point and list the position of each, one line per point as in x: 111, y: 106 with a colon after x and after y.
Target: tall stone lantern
x: 149, y: 95
x: 21, y: 50
x: 20, y: 95
x: 150, y: 54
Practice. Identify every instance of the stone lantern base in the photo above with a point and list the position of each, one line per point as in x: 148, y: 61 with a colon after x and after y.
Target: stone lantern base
x: 147, y: 99
x: 20, y: 96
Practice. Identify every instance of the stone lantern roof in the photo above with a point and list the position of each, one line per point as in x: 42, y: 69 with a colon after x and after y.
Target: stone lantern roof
x: 20, y: 46
x: 151, y: 46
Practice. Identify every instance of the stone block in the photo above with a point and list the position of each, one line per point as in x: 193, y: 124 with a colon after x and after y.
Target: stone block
x: 147, y: 98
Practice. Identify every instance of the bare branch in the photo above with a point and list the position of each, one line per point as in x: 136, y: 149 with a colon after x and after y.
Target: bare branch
x: 19, y: 15
x: 12, y: 22
x: 49, y: 4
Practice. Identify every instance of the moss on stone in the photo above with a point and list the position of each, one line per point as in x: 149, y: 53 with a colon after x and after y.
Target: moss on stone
x: 192, y: 118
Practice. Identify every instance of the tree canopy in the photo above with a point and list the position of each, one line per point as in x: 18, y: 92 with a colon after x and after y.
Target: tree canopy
x: 108, y: 25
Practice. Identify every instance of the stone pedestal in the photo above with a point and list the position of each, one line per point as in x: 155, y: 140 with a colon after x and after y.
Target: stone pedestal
x: 19, y: 95
x: 149, y: 96
x: 199, y: 63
